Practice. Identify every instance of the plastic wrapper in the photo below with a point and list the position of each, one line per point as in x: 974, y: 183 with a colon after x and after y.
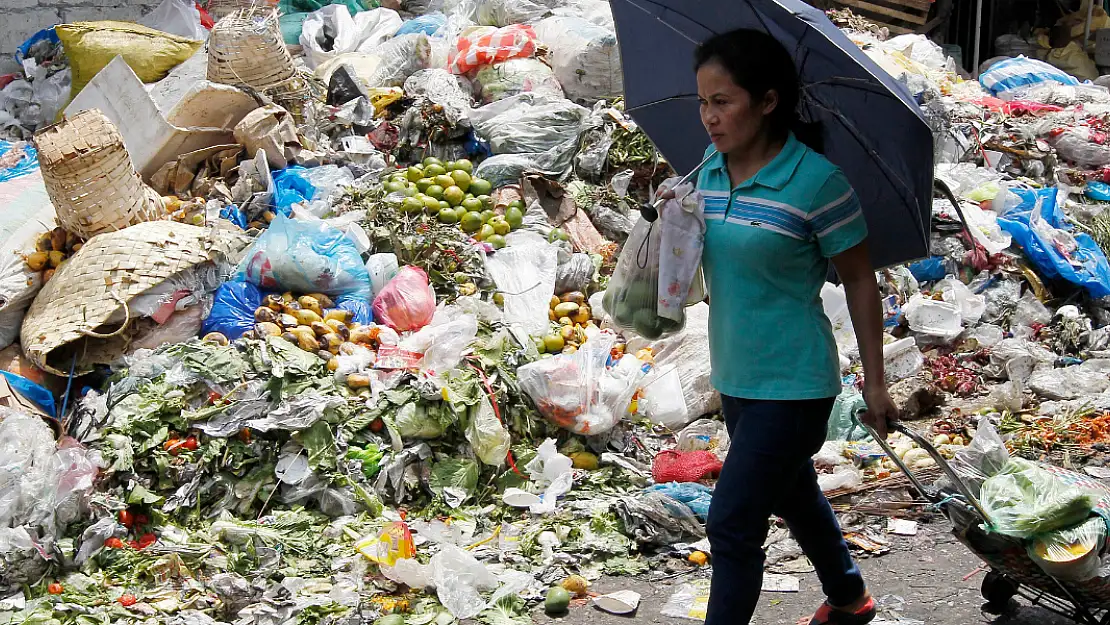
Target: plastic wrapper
x: 1023, y: 500
x: 984, y: 227
x: 585, y: 57
x: 459, y: 579
x: 1076, y: 145
x: 1005, y: 76
x: 695, y: 496
x: 525, y: 274
x: 529, y: 123
x: 332, y: 30
x: 443, y: 341
x: 662, y: 400
x: 428, y: 24
x: 406, y: 303
x: 705, y: 434
x: 575, y: 274
x: 653, y: 518
x: 578, y: 392
x: 305, y: 257
x: 392, y: 543
x: 487, y: 436
x: 474, y: 51
x: 515, y: 76
x: 1071, y: 554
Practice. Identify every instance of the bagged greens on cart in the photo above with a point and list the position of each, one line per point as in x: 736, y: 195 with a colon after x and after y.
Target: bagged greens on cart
x: 1023, y: 500
x: 658, y: 266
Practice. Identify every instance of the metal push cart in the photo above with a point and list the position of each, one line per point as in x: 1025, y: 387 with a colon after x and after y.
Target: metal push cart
x: 1012, y: 572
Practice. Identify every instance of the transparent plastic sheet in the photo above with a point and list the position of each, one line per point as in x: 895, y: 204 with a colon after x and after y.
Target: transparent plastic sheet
x: 525, y: 275
x: 653, y: 518
x: 407, y: 302
x: 577, y: 392
x: 1071, y: 554
x: 575, y: 274
x: 984, y: 227
x: 705, y: 434
x: 695, y: 496
x: 528, y: 132
x: 1077, y: 146
x: 176, y: 17
x: 487, y: 436
x: 459, y: 579
x: 305, y: 257
x: 442, y: 88
x: 507, y: 12
x: 524, y: 75
x: 1074, y: 382
x: 444, y: 340
x: 401, y: 57
x: 956, y: 292
x: 1023, y: 500
x: 585, y: 57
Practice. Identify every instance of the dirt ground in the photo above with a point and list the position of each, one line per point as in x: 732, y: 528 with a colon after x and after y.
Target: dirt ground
x: 926, y: 571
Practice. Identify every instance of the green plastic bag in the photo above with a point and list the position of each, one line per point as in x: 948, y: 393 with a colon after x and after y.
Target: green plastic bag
x: 1023, y: 500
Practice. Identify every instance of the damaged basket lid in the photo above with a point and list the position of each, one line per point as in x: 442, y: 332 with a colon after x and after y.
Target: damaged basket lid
x: 71, y: 314
x: 90, y: 178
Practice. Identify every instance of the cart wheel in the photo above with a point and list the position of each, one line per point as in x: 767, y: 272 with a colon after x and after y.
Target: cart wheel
x: 998, y: 589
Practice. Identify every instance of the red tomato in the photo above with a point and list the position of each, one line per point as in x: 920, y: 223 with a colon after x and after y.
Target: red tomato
x: 214, y: 397
x: 127, y: 600
x: 190, y: 443
x: 141, y: 520
x: 126, y: 519
x: 55, y: 589
x: 113, y: 543
x: 147, y: 540
x: 173, y: 446
x: 134, y: 544
x: 245, y: 435
x: 377, y: 425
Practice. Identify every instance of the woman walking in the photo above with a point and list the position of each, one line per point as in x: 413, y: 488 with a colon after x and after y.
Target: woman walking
x: 777, y: 214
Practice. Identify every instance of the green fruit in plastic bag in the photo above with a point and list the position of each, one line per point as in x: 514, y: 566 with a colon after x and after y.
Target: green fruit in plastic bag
x: 557, y: 600
x: 647, y: 324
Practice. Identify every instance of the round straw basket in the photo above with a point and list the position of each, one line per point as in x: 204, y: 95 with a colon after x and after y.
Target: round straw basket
x: 90, y: 178
x: 246, y: 49
x: 220, y: 9
x: 70, y: 315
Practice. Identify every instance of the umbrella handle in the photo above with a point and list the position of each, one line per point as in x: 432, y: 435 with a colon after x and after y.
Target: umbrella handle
x: 650, y: 210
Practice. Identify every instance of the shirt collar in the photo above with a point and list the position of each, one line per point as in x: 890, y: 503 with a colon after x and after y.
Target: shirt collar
x: 775, y: 174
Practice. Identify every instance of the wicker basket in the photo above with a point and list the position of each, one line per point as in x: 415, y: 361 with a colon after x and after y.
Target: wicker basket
x: 246, y: 49
x: 219, y: 9
x: 90, y: 178
x: 70, y: 315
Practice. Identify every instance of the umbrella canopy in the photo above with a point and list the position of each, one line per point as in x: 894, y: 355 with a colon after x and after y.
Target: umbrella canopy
x: 872, y: 128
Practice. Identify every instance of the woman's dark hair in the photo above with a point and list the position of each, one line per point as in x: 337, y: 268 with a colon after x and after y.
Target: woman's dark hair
x: 758, y: 63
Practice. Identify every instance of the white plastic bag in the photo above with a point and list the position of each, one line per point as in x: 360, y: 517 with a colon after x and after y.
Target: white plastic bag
x: 585, y: 57
x: 177, y: 17
x: 662, y: 401
x: 498, y: 81
x: 332, y: 30
x: 984, y: 227
x: 487, y: 436
x: 444, y: 341
x: 382, y: 268
x: 551, y: 471
x: 458, y: 578
x: 956, y: 292
x: 525, y: 275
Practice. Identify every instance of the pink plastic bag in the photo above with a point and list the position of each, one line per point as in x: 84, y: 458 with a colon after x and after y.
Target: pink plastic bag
x: 406, y: 303
x: 502, y: 44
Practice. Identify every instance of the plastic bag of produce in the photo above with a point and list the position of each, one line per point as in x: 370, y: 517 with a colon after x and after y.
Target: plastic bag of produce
x: 528, y: 132
x: 332, y: 30
x: 650, y: 285
x: 1073, y: 553
x: 578, y: 392
x: 1024, y: 500
x: 507, y: 12
x: 151, y: 53
x: 400, y: 58
x: 305, y: 257
x: 503, y: 44
x: 584, y: 56
x: 406, y: 303
x: 501, y: 80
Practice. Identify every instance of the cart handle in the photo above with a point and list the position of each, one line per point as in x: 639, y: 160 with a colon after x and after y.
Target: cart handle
x: 931, y: 495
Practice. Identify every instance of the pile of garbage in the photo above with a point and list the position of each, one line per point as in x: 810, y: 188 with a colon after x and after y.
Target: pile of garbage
x: 325, y: 319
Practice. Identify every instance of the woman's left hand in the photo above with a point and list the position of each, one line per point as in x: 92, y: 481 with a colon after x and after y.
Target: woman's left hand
x: 881, y: 410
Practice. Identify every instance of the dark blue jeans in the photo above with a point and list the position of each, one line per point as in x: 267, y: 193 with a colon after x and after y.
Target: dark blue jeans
x: 769, y: 471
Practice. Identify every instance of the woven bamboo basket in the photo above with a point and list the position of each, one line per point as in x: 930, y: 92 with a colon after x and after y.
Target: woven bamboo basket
x: 220, y: 9
x: 70, y: 316
x: 90, y: 178
x: 246, y: 49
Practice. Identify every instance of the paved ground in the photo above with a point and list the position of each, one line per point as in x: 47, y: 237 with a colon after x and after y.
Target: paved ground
x: 926, y: 571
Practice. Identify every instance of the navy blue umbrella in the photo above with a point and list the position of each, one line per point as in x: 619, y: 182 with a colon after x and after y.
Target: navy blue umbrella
x: 871, y: 127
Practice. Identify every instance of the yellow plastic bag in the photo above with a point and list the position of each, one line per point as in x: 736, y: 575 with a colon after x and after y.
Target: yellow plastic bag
x: 1073, y: 60
x: 393, y: 543
x: 150, y: 53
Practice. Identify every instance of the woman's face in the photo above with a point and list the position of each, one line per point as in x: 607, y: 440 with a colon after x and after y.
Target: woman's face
x: 729, y: 113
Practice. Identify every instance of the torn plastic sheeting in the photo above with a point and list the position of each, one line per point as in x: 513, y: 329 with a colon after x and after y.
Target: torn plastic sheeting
x: 525, y: 274
x: 332, y: 30
x: 653, y: 518
x: 444, y: 341
x: 459, y: 578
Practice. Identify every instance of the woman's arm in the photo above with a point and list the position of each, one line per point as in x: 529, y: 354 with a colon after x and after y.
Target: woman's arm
x: 854, y: 268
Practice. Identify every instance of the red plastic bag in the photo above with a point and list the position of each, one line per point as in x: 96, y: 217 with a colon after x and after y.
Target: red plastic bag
x: 502, y: 44
x: 406, y: 303
x: 684, y: 466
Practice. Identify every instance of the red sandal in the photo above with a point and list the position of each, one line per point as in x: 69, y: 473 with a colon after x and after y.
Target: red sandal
x: 828, y: 615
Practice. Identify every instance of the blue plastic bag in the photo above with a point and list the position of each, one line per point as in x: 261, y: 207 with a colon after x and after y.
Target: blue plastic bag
x: 32, y: 392
x: 1087, y: 267
x: 427, y: 24
x: 235, y: 215
x: 695, y: 496
x: 25, y: 47
x: 360, y: 309
x: 233, y: 309
x: 305, y: 257
x: 1019, y: 72
x: 1098, y: 191
x: 28, y: 163
x: 932, y: 268
x: 291, y: 187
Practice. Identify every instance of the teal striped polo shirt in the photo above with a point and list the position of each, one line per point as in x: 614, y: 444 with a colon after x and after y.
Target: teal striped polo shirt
x: 767, y: 245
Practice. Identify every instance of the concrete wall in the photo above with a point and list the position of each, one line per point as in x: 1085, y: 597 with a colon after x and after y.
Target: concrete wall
x: 19, y: 19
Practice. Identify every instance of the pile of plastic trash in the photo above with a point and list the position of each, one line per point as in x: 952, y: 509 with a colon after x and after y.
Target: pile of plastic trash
x: 302, y: 321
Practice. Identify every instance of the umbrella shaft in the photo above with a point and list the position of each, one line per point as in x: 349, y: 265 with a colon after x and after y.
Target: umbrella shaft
x: 659, y: 201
